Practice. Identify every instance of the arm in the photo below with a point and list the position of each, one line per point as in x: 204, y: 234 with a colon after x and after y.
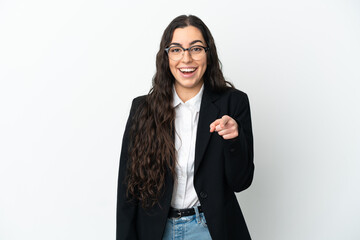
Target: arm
x: 236, y: 131
x: 126, y: 211
x: 239, y: 151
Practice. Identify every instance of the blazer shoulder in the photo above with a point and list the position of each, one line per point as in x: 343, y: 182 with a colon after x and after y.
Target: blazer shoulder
x: 234, y: 102
x: 233, y: 92
x: 138, y: 100
x: 136, y: 103
x: 234, y: 95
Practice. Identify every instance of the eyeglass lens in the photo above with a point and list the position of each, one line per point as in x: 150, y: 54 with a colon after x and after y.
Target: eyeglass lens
x: 176, y: 53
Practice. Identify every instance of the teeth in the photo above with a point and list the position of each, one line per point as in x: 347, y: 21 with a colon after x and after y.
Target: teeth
x: 187, y: 69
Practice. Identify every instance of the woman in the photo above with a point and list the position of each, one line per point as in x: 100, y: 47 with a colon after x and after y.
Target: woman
x: 187, y: 146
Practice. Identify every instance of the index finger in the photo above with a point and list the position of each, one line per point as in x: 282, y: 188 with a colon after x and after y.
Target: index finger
x: 214, y: 124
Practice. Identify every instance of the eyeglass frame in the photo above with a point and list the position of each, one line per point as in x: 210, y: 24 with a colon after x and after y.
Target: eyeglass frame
x: 185, y: 49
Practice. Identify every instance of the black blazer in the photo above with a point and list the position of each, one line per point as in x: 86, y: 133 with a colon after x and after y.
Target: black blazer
x: 222, y: 167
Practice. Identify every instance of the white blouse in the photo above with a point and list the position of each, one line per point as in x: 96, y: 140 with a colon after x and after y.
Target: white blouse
x: 186, y: 121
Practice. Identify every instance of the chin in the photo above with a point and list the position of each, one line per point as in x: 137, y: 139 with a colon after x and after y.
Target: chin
x: 189, y: 84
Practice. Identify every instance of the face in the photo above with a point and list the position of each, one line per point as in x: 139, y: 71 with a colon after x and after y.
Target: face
x: 188, y: 72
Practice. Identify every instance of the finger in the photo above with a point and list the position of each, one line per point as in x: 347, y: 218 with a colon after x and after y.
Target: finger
x: 229, y: 125
x: 224, y: 120
x: 226, y: 131
x: 219, y: 128
x: 214, y: 124
x: 212, y: 128
x: 231, y: 135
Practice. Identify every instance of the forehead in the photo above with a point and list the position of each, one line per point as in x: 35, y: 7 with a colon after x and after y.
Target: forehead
x: 186, y: 35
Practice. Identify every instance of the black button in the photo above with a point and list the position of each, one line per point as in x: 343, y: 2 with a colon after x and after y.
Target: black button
x: 203, y: 195
x: 232, y: 149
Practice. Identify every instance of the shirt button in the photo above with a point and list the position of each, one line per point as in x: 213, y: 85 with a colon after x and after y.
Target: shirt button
x: 203, y: 195
x: 232, y: 149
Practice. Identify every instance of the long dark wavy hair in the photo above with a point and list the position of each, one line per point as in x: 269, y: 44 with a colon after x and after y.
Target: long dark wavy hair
x: 152, y: 148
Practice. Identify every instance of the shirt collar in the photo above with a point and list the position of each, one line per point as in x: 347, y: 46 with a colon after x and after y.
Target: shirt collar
x: 176, y: 98
x: 193, y: 103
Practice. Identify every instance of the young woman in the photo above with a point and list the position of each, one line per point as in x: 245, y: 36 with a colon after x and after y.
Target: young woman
x: 187, y: 146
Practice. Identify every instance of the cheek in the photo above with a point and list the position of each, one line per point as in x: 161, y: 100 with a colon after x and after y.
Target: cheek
x: 172, y: 67
x: 204, y: 67
x: 204, y: 64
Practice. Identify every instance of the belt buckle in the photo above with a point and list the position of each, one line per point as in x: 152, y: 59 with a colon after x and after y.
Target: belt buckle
x: 179, y: 215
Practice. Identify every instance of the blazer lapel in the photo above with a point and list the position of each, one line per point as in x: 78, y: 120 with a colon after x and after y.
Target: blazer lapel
x: 208, y: 113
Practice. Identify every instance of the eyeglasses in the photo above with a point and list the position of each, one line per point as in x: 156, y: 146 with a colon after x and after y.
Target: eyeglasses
x: 177, y: 52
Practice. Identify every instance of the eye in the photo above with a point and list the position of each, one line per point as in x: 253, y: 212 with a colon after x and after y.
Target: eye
x: 175, y: 50
x: 196, y: 49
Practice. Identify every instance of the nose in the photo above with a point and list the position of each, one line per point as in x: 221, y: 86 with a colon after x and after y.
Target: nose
x: 187, y: 57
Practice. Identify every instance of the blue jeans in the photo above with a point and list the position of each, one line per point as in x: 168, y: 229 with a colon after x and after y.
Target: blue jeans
x: 187, y: 228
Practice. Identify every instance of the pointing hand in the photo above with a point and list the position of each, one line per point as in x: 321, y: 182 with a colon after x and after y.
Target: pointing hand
x: 226, y: 127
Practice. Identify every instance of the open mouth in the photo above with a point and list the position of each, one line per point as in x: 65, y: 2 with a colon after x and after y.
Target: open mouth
x: 188, y: 71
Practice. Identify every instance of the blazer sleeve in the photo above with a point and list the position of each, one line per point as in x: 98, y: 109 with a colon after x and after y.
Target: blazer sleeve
x: 239, y: 152
x: 126, y: 210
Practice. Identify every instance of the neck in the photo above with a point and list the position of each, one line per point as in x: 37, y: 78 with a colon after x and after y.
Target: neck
x: 186, y: 94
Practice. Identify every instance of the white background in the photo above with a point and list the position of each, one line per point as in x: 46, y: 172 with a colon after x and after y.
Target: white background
x: 69, y: 70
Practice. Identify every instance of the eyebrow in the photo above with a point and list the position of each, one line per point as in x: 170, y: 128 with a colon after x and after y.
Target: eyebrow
x: 193, y: 42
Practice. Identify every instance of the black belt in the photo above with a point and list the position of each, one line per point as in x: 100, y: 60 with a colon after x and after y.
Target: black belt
x: 178, y: 213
